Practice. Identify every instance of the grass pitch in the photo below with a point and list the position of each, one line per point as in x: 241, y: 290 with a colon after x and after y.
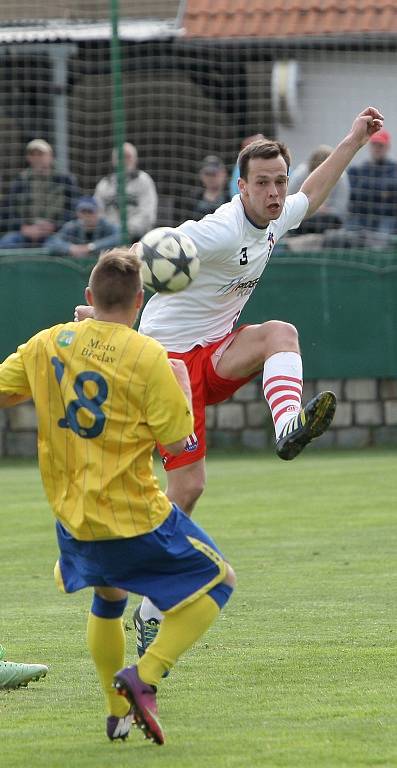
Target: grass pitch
x: 298, y: 672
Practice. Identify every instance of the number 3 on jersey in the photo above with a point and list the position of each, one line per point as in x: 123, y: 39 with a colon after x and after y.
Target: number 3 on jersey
x: 90, y: 404
x: 243, y: 256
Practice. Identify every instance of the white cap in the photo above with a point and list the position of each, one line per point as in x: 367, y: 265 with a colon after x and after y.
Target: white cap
x: 38, y: 145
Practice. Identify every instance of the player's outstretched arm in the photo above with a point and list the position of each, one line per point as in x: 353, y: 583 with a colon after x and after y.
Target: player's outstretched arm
x: 319, y: 183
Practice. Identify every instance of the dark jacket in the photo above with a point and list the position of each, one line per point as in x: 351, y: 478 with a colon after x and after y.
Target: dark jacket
x: 201, y: 207
x: 373, y: 191
x: 33, y: 197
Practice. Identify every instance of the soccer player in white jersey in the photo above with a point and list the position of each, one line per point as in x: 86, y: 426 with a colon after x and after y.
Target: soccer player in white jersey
x: 198, y: 325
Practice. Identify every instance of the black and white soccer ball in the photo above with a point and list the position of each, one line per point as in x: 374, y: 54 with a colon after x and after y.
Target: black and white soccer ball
x: 169, y: 260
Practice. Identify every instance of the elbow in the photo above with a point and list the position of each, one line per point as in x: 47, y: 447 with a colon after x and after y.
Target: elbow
x: 176, y: 448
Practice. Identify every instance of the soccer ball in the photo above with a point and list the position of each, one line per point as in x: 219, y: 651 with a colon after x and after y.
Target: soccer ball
x: 169, y: 260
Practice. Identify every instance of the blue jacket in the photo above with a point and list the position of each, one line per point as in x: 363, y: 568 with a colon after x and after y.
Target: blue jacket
x: 373, y: 190
x: 105, y: 235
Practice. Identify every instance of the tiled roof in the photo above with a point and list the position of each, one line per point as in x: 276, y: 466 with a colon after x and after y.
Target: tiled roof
x: 288, y: 18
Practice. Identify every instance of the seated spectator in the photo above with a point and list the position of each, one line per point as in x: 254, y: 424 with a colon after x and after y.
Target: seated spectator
x: 332, y: 214
x: 86, y: 235
x: 213, y: 192
x: 233, y: 185
x: 141, y: 195
x: 373, y: 201
x: 39, y: 202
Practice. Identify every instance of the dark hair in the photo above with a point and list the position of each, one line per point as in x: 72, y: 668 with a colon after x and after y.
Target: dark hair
x: 318, y: 156
x: 116, y: 279
x: 265, y: 149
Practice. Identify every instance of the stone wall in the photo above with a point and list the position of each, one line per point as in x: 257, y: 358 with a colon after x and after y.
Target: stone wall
x: 366, y: 415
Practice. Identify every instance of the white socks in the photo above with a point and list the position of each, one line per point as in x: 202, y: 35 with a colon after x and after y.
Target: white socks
x: 149, y: 611
x: 282, y: 387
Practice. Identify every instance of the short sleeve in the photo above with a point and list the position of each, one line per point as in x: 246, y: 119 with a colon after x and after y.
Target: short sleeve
x: 13, y: 378
x: 216, y: 232
x: 294, y: 211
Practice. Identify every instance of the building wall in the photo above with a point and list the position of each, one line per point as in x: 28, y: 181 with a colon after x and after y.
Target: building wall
x: 342, y: 84
x: 366, y: 415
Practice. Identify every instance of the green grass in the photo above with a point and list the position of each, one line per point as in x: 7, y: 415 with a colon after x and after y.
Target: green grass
x: 298, y: 672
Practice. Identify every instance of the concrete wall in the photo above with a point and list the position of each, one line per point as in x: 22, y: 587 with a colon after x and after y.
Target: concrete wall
x: 366, y: 415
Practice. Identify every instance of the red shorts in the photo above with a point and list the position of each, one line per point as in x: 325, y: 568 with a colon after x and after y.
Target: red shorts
x: 207, y: 389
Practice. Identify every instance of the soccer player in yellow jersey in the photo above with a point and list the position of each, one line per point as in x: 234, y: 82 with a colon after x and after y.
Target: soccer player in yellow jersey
x: 104, y: 395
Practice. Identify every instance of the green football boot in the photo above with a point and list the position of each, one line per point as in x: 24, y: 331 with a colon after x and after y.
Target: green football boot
x: 13, y: 675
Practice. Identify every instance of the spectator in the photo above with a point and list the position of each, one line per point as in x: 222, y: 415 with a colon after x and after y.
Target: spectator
x: 213, y: 178
x: 373, y: 201
x: 86, y: 235
x: 233, y: 185
x: 332, y: 213
x: 141, y: 195
x: 40, y: 200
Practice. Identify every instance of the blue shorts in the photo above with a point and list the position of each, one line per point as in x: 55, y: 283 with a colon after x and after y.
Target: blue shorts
x: 171, y: 565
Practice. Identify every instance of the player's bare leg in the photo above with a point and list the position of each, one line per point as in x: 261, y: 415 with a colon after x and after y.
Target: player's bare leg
x: 186, y: 484
x: 275, y: 346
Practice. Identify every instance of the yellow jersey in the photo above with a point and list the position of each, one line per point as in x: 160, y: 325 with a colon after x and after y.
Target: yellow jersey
x: 104, y: 395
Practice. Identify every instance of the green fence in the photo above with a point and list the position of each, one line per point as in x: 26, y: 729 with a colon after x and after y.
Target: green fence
x: 345, y: 309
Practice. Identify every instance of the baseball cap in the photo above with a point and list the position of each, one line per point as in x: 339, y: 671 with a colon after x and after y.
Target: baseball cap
x: 87, y: 203
x: 212, y: 163
x: 38, y: 145
x: 381, y: 137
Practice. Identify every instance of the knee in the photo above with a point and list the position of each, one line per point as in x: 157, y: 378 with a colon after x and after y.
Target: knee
x: 230, y: 578
x: 192, y: 492
x: 185, y: 490
x: 279, y: 336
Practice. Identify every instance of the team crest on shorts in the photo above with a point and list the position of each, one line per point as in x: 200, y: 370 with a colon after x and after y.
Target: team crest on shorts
x: 191, y: 442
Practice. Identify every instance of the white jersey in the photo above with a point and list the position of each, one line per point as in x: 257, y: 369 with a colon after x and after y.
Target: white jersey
x: 233, y: 253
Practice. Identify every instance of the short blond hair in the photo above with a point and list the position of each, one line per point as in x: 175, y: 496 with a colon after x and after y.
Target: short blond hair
x: 116, y: 279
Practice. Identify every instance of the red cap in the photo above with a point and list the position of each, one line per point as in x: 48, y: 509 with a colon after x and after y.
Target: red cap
x: 381, y: 137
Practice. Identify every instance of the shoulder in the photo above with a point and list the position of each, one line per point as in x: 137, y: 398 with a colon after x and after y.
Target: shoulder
x: 69, y: 226
x: 294, y: 210
x: 105, y: 225
x: 41, y: 338
x: 295, y: 204
x: 21, y: 180
x: 145, y: 177
x: 217, y: 231
x: 145, y: 182
x: 227, y: 220
x: 151, y: 349
x: 106, y: 181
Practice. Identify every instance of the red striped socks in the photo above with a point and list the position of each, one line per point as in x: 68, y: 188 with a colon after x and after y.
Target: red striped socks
x: 282, y: 387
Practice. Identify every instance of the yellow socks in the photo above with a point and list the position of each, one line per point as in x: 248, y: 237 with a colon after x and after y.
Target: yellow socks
x: 106, y: 642
x: 178, y: 632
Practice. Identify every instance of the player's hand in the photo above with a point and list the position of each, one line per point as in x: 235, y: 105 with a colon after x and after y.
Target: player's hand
x: 182, y: 376
x: 368, y: 122
x: 82, y: 311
